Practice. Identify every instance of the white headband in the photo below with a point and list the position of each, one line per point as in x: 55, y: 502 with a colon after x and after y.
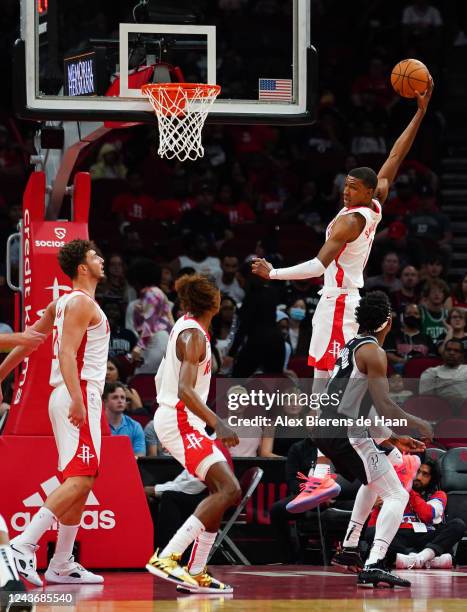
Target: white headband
x: 385, y: 324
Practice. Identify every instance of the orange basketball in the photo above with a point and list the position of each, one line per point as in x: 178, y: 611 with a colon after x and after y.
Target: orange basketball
x: 409, y: 76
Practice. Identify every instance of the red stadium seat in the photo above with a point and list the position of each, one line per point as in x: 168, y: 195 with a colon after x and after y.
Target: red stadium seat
x: 416, y: 366
x: 142, y: 419
x: 300, y: 366
x: 146, y: 387
x: 462, y: 412
x: 428, y: 407
x: 452, y: 433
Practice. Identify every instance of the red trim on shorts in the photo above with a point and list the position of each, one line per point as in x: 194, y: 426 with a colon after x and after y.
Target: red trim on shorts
x: 329, y: 358
x: 85, y: 461
x: 196, y: 445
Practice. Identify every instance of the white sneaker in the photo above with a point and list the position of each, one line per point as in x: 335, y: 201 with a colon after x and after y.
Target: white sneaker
x: 71, y: 572
x: 25, y: 561
x: 410, y: 561
x: 441, y: 562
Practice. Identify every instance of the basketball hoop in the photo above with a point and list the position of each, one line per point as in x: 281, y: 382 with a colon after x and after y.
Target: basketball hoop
x: 181, y: 110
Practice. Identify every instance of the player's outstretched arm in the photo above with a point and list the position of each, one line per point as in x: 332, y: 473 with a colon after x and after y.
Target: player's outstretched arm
x: 191, y: 350
x: 79, y: 314
x: 372, y: 360
x: 402, y: 146
x: 30, y: 339
x: 345, y: 229
x: 41, y: 329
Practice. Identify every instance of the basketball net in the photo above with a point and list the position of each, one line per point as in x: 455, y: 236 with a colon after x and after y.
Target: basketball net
x: 181, y: 110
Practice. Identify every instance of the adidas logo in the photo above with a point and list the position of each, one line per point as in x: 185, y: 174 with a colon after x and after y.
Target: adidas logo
x: 91, y: 519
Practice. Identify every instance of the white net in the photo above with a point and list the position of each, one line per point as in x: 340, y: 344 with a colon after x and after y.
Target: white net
x: 181, y: 111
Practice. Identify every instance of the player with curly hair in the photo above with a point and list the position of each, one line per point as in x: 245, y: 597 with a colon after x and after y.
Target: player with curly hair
x: 182, y: 383
x: 362, y: 367
x: 78, y: 369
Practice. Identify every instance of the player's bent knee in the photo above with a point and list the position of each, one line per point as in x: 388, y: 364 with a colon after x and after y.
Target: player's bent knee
x: 232, y: 492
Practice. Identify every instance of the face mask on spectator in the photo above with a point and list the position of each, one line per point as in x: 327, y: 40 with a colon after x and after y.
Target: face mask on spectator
x: 412, y: 321
x: 297, y: 314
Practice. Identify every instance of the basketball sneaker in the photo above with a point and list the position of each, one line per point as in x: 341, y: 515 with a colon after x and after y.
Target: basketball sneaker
x: 71, y: 572
x: 25, y: 561
x: 377, y: 574
x: 169, y: 568
x: 349, y: 558
x: 441, y: 562
x: 313, y: 491
x: 205, y: 584
x: 410, y: 561
x: 408, y: 470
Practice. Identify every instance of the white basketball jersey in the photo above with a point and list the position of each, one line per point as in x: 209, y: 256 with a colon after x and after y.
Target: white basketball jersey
x: 168, y: 374
x: 346, y: 270
x: 94, y: 348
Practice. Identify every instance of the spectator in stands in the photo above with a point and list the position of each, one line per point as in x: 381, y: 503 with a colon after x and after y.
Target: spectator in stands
x: 434, y: 314
x: 308, y: 208
x: 405, y: 201
x: 449, y: 380
x: 109, y: 164
x: 428, y: 228
x: 237, y: 211
x: 433, y: 267
x: 134, y: 205
x: 196, y: 257
x: 366, y: 140
x: 153, y: 446
x: 410, y: 341
x: 422, y: 29
x: 252, y: 441
x: 167, y: 283
x: 301, y: 459
x: 282, y: 320
x: 153, y: 322
x: 397, y: 392
x: 258, y: 344
x: 299, y: 328
x: 120, y: 424
x: 205, y: 220
x: 374, y: 82
x: 409, y: 292
x: 227, y: 280
x: 388, y: 280
x: 122, y: 340
x: 132, y: 245
x: 113, y: 376
x: 224, y: 326
x: 307, y: 290
x: 424, y: 539
x: 458, y: 297
x: 115, y: 284
x: 455, y: 328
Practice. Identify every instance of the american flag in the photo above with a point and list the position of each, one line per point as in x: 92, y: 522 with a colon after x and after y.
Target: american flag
x: 275, y: 89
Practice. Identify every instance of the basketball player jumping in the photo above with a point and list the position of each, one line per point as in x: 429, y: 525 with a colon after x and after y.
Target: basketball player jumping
x: 362, y: 367
x: 79, y: 364
x: 342, y: 259
x: 182, y: 384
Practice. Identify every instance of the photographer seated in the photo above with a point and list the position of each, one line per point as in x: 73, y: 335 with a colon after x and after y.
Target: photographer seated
x: 424, y: 539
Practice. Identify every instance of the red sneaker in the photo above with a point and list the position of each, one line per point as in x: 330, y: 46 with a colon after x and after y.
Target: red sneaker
x: 408, y: 470
x: 314, y: 491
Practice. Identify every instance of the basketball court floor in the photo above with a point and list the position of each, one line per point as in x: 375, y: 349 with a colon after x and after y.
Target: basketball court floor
x: 270, y: 588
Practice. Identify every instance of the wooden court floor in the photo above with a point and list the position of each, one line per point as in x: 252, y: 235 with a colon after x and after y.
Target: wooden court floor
x: 271, y: 588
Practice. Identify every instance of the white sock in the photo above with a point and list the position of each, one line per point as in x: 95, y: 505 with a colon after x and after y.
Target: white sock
x: 395, y: 499
x: 200, y: 552
x: 7, y: 565
x: 65, y: 540
x: 41, y: 521
x: 427, y: 554
x: 187, y: 534
x: 322, y: 470
x: 364, y: 502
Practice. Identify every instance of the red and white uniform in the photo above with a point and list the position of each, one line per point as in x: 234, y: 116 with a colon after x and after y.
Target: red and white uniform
x: 334, y: 321
x: 79, y: 448
x: 180, y: 431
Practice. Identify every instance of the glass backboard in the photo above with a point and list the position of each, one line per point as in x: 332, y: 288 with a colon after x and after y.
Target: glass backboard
x: 88, y: 60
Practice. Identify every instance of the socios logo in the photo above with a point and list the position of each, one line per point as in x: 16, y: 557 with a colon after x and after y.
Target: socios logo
x: 60, y: 232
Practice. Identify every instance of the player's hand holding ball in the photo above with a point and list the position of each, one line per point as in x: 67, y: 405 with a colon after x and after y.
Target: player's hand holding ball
x: 77, y: 413
x: 410, y: 78
x: 261, y: 267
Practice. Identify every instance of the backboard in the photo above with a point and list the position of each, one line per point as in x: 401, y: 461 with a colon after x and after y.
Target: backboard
x: 81, y: 60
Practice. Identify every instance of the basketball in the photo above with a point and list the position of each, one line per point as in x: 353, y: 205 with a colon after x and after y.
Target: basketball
x: 409, y: 76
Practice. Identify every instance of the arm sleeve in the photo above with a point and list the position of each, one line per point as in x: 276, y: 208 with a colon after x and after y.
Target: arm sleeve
x: 422, y: 509
x: 308, y: 269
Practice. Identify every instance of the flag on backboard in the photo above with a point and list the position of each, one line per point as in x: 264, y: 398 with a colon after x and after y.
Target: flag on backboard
x: 275, y: 89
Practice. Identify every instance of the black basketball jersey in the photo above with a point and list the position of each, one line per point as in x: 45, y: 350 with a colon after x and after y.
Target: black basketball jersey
x: 348, y: 383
